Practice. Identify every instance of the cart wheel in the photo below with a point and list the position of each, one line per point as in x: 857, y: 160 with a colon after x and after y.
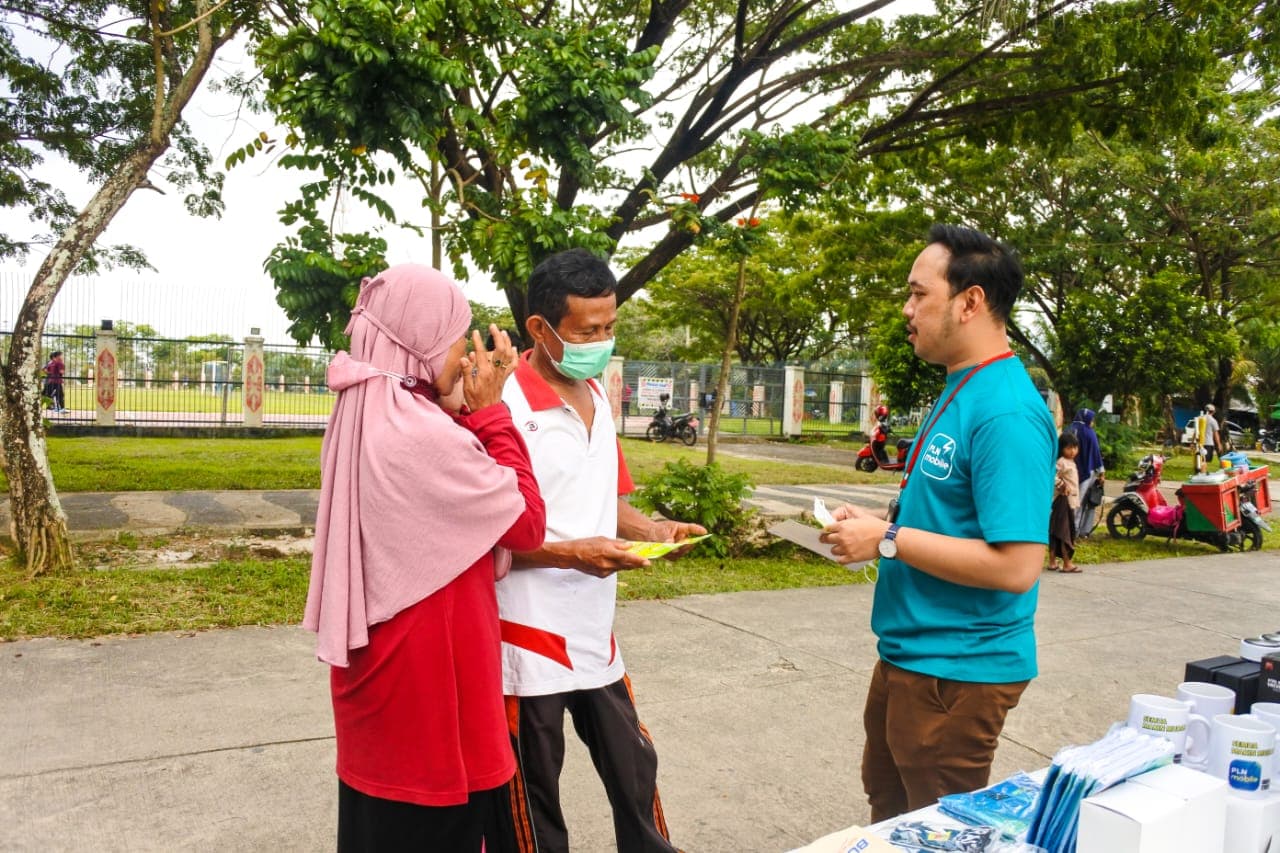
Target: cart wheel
x: 1252, y: 533
x: 1126, y: 522
x: 865, y: 463
x: 655, y: 433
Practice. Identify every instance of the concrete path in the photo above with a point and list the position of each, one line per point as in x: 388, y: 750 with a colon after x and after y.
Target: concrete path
x: 223, y: 740
x: 97, y: 515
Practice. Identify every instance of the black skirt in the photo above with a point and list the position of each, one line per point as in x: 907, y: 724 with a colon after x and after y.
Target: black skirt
x: 1062, y: 529
x: 367, y: 824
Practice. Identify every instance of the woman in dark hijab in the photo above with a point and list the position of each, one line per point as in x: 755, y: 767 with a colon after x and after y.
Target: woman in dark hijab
x: 1089, y: 467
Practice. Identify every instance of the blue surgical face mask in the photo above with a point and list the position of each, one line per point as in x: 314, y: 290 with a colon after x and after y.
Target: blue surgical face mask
x: 581, y: 361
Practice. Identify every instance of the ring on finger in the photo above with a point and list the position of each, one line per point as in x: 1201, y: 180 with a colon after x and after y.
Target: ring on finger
x: 499, y: 363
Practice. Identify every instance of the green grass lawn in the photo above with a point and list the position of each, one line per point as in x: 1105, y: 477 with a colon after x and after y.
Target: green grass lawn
x: 242, y: 589
x: 110, y: 464
x: 164, y: 397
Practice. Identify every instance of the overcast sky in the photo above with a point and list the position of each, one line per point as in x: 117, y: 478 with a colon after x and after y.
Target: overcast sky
x: 213, y: 266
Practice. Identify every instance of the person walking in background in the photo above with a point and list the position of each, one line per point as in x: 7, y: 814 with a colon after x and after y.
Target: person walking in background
x: 1212, y: 433
x: 1089, y: 469
x: 963, y: 549
x: 424, y: 479
x: 1066, y: 505
x: 557, y: 605
x: 54, y: 370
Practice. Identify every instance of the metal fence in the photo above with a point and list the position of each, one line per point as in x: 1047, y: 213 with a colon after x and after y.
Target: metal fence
x: 192, y: 382
x: 835, y: 403
x: 200, y: 382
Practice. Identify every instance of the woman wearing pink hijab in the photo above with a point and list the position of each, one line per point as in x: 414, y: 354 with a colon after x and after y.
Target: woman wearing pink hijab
x: 425, y: 483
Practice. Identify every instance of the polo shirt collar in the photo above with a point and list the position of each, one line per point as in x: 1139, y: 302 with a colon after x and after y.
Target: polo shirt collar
x: 537, y: 391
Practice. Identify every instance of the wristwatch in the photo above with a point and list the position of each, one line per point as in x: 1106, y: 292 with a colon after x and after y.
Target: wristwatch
x: 888, y: 546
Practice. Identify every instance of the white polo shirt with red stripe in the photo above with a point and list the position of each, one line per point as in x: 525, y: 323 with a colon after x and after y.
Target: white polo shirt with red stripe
x: 557, y: 624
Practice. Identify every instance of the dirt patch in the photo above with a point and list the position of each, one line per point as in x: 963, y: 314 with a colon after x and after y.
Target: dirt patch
x: 188, y: 551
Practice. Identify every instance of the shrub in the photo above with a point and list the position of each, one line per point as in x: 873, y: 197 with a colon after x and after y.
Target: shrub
x: 703, y: 494
x: 1116, y: 441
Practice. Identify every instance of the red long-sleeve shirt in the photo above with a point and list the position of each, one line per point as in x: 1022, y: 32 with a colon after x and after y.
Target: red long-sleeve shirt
x: 419, y: 713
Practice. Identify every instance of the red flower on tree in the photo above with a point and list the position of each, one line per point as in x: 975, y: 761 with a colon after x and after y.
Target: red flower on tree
x: 693, y: 197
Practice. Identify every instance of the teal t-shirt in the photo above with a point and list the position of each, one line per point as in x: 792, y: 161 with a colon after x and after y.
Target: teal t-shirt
x: 985, y: 471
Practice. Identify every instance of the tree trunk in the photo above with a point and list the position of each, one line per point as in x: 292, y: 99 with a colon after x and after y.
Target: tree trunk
x: 38, y: 524
x: 1170, y: 425
x: 730, y: 343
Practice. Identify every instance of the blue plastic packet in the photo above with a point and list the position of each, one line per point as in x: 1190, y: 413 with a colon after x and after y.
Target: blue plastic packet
x: 920, y: 837
x: 1008, y: 806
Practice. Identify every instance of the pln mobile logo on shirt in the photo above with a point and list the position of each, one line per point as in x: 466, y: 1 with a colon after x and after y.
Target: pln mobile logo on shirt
x: 938, y: 457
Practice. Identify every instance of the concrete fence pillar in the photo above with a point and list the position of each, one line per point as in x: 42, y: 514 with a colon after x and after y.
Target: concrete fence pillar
x: 105, y: 369
x: 255, y: 380
x: 868, y: 394
x: 793, y: 400
x: 835, y: 402
x: 611, y: 379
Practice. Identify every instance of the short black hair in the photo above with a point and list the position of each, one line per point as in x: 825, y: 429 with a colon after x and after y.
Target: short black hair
x: 1066, y: 439
x: 574, y: 272
x: 56, y: 353
x: 978, y: 259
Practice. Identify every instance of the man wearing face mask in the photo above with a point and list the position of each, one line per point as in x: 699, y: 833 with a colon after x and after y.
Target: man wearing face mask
x: 557, y: 605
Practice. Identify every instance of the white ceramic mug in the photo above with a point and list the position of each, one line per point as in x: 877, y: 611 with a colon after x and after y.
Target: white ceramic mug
x: 1170, y: 719
x: 1268, y: 712
x: 1242, y: 751
x: 1207, y: 700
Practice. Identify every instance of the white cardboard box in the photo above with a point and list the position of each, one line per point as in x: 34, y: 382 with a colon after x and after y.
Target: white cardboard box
x: 1253, y: 823
x: 1172, y: 808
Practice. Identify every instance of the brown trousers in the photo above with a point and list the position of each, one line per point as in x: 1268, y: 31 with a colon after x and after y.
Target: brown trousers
x: 927, y: 737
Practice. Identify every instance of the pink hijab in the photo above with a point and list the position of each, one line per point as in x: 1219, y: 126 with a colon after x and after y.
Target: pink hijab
x: 408, y: 498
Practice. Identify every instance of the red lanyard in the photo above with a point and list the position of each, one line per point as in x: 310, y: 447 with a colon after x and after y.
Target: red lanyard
x: 933, y: 421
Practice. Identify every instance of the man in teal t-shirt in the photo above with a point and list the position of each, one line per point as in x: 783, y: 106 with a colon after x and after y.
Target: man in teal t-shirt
x: 955, y: 601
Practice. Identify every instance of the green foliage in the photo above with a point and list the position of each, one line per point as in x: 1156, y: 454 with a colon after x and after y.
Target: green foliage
x: 1144, y: 257
x: 706, y: 495
x: 644, y: 334
x: 1117, y: 441
x: 317, y: 287
x: 1263, y: 353
x: 1155, y: 339
x: 814, y: 282
x: 904, y: 379
x: 525, y: 112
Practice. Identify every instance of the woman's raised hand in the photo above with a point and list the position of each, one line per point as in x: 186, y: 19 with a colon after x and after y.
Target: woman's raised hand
x: 484, y: 373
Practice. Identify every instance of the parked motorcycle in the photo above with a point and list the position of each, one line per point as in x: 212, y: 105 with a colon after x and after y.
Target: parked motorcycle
x: 1268, y: 439
x: 1142, y: 510
x: 664, y: 425
x: 874, y: 456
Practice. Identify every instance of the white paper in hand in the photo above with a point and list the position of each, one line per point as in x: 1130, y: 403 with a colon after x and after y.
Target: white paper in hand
x: 820, y: 512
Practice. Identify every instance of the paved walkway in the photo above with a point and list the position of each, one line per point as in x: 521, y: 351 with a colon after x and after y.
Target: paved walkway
x: 222, y: 740
x: 97, y: 515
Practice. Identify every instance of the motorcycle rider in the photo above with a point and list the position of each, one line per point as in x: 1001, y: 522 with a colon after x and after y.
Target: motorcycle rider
x: 881, y: 435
